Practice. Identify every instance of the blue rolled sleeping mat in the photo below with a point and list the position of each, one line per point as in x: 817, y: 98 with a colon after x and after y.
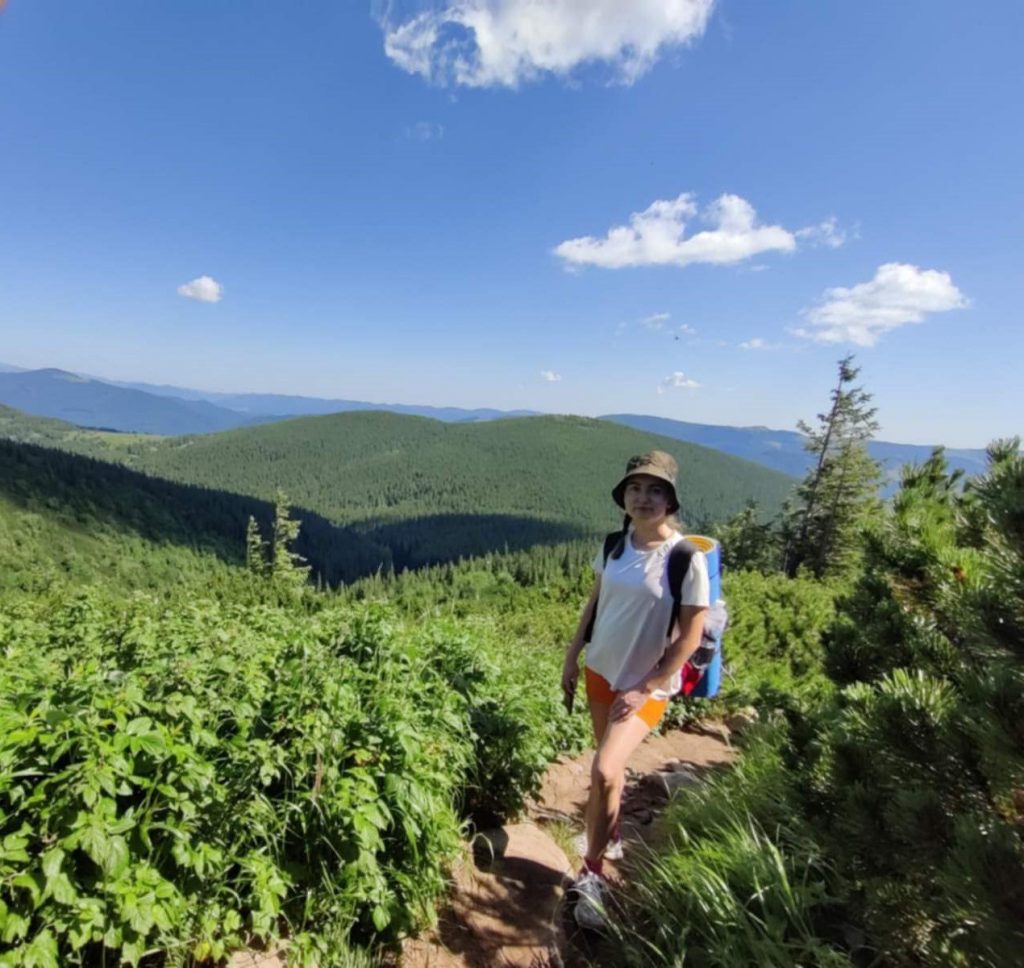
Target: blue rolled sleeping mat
x: 711, y: 680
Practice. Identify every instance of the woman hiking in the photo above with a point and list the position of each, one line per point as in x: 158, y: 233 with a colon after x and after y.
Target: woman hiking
x: 635, y: 653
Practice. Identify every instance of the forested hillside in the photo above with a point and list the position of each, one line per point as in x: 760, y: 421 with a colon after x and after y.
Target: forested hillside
x: 50, y: 432
x: 65, y: 516
x: 431, y: 491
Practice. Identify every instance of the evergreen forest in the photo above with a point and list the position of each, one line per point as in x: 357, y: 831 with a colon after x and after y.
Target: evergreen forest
x: 263, y: 684
x: 424, y: 491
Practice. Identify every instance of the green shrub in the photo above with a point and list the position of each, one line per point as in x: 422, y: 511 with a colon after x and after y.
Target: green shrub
x: 919, y: 767
x: 187, y: 776
x: 773, y: 651
x: 185, y: 779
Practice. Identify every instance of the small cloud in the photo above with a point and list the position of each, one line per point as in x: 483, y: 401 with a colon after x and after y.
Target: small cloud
x: 753, y: 344
x: 898, y: 294
x: 827, y: 233
x: 204, y: 289
x: 503, y: 43
x: 550, y: 376
x: 657, y: 236
x: 425, y: 131
x: 656, y: 321
x: 687, y: 330
x: 677, y: 380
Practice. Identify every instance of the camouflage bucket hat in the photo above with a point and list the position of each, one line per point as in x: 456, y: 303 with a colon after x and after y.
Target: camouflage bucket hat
x: 655, y: 463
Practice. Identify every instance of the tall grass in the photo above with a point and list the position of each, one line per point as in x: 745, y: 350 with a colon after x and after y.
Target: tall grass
x: 740, y: 880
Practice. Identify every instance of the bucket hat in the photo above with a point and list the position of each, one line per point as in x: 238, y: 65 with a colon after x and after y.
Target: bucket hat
x: 655, y: 463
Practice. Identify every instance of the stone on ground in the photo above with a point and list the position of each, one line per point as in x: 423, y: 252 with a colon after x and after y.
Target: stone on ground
x: 505, y: 905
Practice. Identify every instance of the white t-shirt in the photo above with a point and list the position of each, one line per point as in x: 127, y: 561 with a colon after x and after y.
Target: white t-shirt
x: 633, y: 610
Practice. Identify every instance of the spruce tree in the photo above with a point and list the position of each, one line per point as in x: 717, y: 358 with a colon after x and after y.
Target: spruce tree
x: 288, y: 568
x: 255, y: 549
x: 748, y: 542
x: 840, y: 491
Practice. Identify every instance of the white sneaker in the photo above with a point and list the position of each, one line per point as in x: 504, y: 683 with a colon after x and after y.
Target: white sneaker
x: 612, y: 852
x: 590, y: 901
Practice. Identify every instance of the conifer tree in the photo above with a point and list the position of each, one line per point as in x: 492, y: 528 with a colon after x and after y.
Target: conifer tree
x: 840, y: 491
x: 748, y: 542
x: 287, y: 567
x: 255, y: 549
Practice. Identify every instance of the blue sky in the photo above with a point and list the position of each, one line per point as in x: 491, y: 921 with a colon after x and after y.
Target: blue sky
x: 678, y: 207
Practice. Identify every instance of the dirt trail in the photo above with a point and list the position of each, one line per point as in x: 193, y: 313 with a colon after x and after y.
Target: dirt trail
x: 506, y: 906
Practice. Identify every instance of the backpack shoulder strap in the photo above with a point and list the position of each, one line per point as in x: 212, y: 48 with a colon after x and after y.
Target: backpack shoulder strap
x: 610, y: 541
x: 679, y: 559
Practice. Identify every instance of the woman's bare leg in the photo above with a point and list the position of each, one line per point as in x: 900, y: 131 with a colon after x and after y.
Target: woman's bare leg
x: 599, y: 714
x: 607, y: 779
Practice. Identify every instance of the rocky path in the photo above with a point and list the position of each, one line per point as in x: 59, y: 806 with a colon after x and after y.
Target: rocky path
x: 507, y: 905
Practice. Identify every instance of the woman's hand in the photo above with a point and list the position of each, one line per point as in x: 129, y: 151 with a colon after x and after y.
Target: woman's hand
x: 570, y: 674
x: 627, y: 703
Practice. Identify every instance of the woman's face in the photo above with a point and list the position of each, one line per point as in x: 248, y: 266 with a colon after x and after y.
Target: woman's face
x: 646, y: 498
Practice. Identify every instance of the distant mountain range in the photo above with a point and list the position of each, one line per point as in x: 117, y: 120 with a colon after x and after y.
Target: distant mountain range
x: 259, y: 405
x: 174, y: 411
x: 92, y: 403
x: 783, y: 450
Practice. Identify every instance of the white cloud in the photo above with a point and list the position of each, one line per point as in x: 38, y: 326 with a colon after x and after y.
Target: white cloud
x: 898, y: 294
x: 484, y: 43
x: 827, y: 233
x: 425, y: 131
x: 550, y: 376
x: 204, y: 288
x: 677, y: 379
x: 753, y: 344
x: 657, y: 236
x: 656, y: 320
x: 687, y: 330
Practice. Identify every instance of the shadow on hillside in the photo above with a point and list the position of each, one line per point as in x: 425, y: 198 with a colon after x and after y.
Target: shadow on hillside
x: 440, y: 538
x: 86, y: 494
x: 89, y: 495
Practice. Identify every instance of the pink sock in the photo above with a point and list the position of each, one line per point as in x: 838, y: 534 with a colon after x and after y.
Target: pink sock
x: 594, y: 866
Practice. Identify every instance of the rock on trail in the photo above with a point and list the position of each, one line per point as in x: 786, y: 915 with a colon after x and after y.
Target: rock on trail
x: 506, y: 907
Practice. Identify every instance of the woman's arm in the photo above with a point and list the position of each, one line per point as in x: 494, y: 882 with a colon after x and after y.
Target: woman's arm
x: 571, y: 666
x: 689, y: 627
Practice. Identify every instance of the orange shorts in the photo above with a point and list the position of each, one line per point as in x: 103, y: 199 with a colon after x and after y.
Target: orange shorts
x: 599, y: 690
